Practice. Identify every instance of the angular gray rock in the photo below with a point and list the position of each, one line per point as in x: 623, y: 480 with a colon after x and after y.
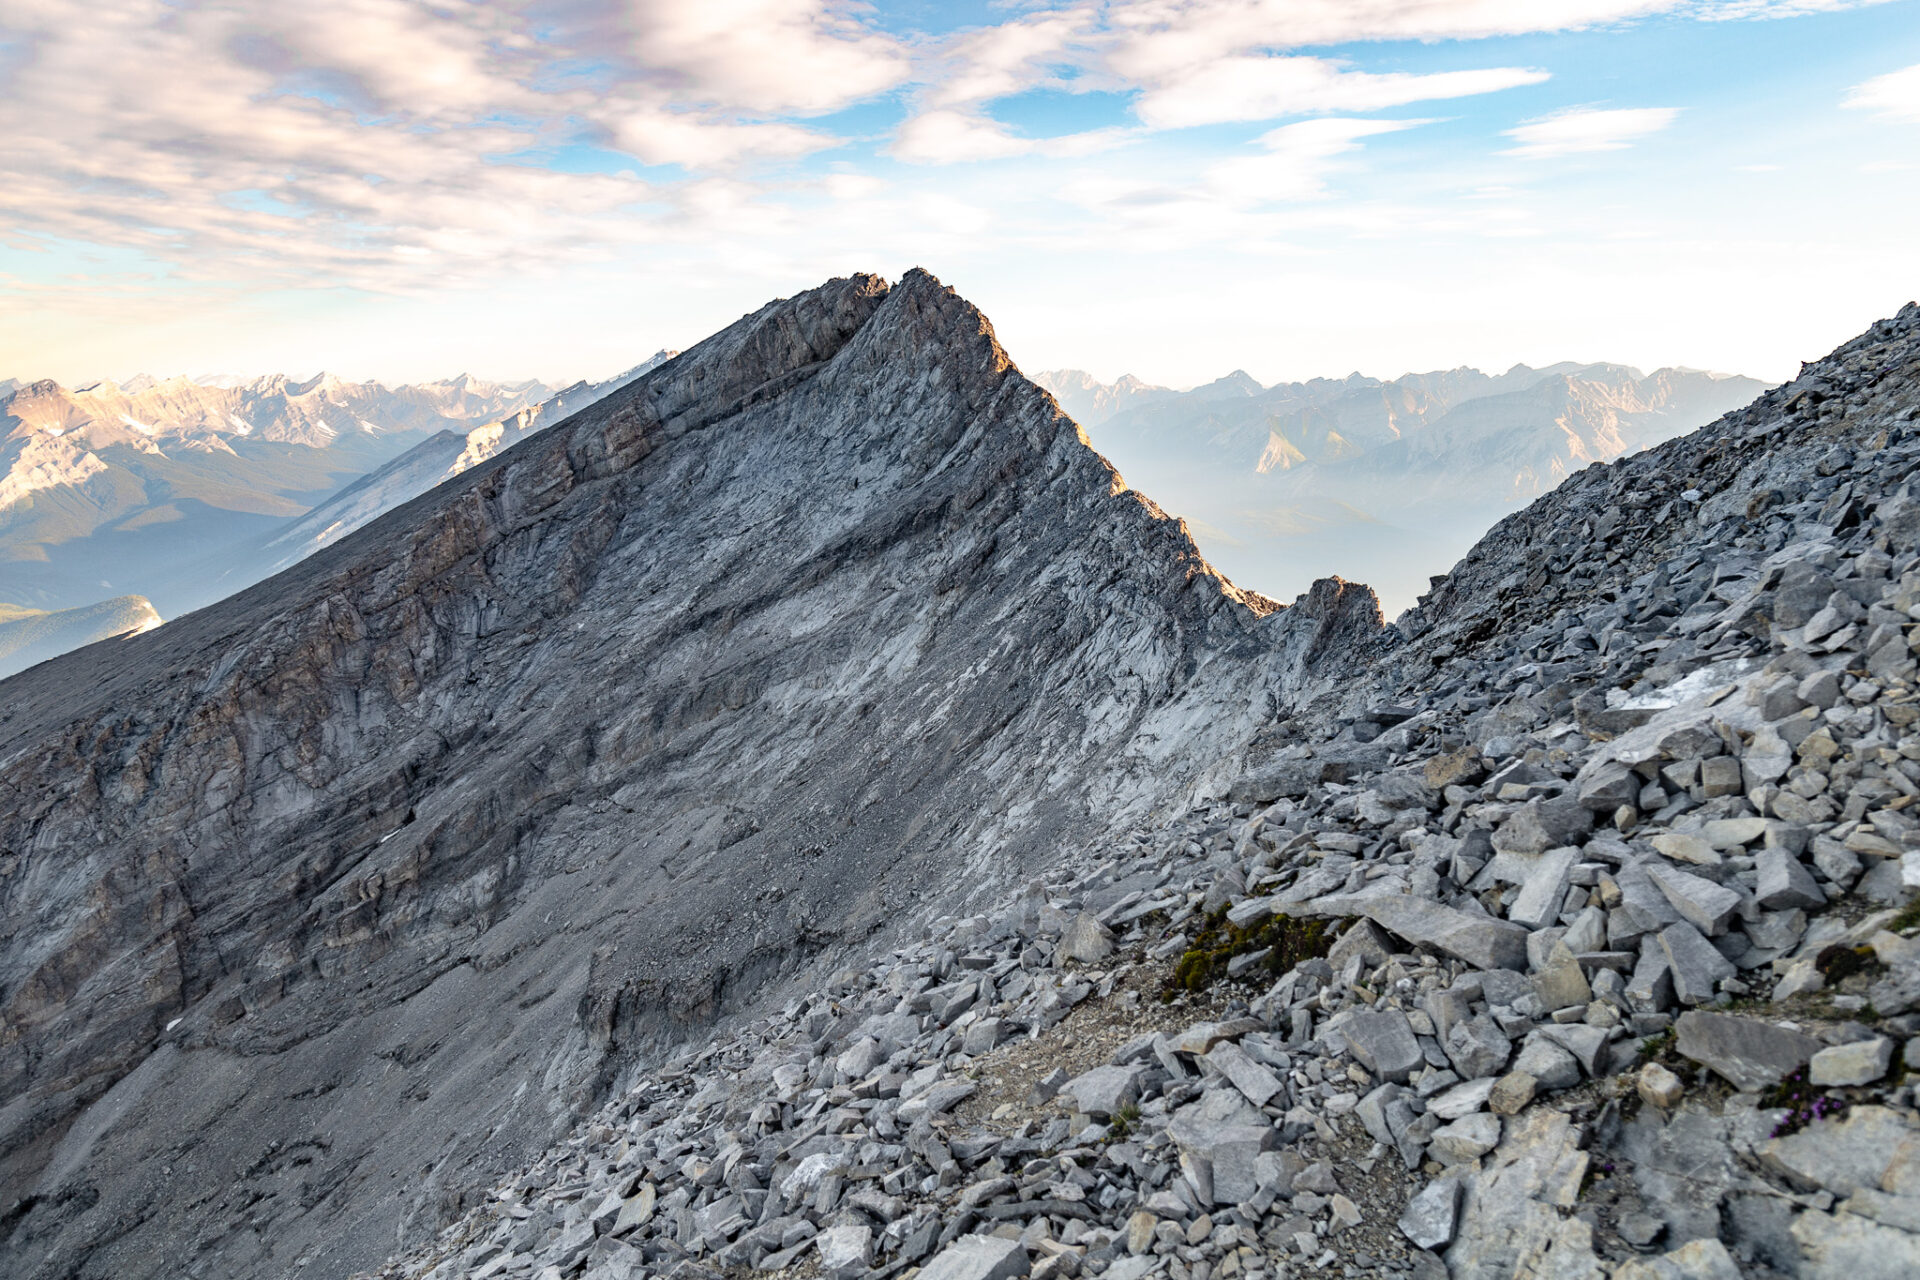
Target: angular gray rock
x: 1383, y: 1043
x: 1086, y: 940
x: 1429, y: 1217
x: 1706, y: 905
x: 978, y: 1257
x: 1544, y: 824
x: 1846, y: 1065
x: 1103, y: 1091
x: 1693, y: 967
x: 1746, y: 1052
x: 1256, y: 1082
x: 1784, y: 883
x: 1539, y: 901
x: 1477, y: 1048
x: 1482, y: 941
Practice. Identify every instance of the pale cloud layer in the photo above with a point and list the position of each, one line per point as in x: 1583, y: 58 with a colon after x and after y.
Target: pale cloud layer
x: 364, y: 139
x: 1894, y: 96
x: 1586, y: 129
x: 166, y: 168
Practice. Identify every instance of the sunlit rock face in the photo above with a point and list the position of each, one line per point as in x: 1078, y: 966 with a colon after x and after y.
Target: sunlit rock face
x: 324, y: 905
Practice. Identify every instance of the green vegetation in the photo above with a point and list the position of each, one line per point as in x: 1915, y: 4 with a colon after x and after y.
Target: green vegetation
x: 1804, y: 1103
x: 1290, y: 941
x: 1659, y: 1048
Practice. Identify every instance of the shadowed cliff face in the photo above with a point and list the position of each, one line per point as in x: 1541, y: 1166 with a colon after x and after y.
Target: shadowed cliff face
x: 320, y: 907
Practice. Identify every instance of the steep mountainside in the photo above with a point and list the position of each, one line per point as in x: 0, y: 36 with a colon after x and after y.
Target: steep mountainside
x: 124, y: 486
x: 325, y: 904
x: 1388, y: 482
x: 28, y: 636
x: 1582, y: 942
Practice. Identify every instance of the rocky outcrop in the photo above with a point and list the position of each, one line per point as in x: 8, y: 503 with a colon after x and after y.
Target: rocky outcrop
x: 326, y: 905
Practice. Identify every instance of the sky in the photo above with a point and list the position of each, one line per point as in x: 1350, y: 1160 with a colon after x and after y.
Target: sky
x: 1170, y: 188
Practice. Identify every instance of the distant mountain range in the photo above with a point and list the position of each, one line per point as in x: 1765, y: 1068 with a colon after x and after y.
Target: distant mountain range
x: 1386, y: 483
x: 186, y: 490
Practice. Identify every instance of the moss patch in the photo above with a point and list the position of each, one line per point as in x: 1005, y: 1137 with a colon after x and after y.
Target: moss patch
x: 1286, y: 940
x: 1837, y: 963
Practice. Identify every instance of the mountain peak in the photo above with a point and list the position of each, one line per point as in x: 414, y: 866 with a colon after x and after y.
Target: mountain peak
x: 810, y: 600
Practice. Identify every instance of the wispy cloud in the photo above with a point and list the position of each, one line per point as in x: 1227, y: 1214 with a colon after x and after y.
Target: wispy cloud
x: 1583, y: 129
x: 369, y: 140
x: 1262, y: 88
x: 1894, y: 96
x: 394, y: 146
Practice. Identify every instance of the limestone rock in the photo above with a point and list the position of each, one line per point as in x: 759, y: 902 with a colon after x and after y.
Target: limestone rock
x: 1747, y: 1052
x: 1383, y: 1043
x: 1843, y: 1065
x: 1429, y: 1217
x: 1694, y: 1260
x: 1481, y: 941
x: 977, y: 1257
x: 1659, y: 1087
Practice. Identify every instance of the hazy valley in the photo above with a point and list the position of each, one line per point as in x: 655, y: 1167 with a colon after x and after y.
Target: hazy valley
x: 1386, y: 483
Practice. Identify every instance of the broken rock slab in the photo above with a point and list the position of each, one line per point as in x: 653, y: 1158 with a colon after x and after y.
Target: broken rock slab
x: 1869, y: 1148
x: 1705, y: 1259
x: 1383, y: 1043
x: 1785, y: 883
x: 1481, y: 941
x: 1254, y: 1080
x: 1846, y: 1245
x: 1847, y: 1065
x: 1703, y: 903
x: 1104, y: 1091
x: 1229, y: 1136
x: 1693, y: 964
x: 1086, y: 940
x: 975, y: 1257
x: 1746, y: 1052
x: 1542, y: 825
x: 1538, y: 903
x: 1512, y: 1208
x: 1430, y: 1216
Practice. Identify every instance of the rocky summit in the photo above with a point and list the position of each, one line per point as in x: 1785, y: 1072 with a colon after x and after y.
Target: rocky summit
x: 805, y: 816
x: 326, y: 907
